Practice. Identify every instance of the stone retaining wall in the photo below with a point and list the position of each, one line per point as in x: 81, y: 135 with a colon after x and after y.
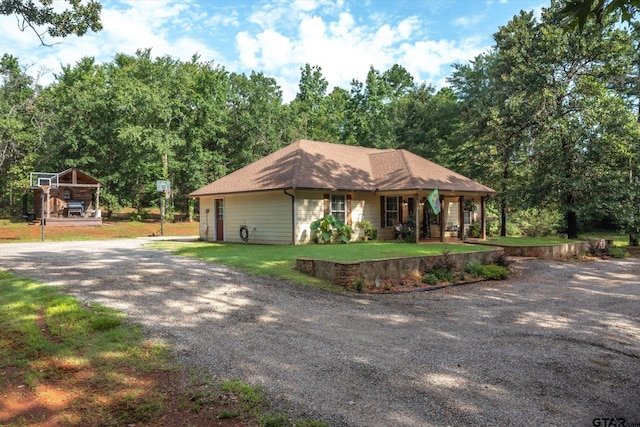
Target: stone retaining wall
x: 347, y: 273
x: 561, y: 250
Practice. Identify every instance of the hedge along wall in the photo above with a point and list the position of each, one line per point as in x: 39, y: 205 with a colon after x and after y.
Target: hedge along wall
x: 347, y: 273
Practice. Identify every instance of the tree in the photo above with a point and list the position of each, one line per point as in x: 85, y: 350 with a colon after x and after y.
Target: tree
x: 307, y: 109
x: 20, y: 120
x: 493, y: 91
x: 536, y: 100
x: 33, y: 14
x: 256, y: 121
x: 578, y: 12
x: 137, y: 120
x: 374, y: 112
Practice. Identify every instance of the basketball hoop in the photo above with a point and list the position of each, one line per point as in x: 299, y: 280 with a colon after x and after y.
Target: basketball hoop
x: 45, y: 188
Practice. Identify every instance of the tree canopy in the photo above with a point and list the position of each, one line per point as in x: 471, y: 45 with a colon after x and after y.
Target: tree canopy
x: 547, y: 117
x: 43, y: 19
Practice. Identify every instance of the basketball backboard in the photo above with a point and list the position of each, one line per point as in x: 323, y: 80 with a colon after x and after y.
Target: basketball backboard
x: 42, y: 179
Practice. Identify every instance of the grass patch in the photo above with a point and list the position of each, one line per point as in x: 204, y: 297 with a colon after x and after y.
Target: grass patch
x: 12, y: 231
x: 279, y: 260
x: 529, y: 241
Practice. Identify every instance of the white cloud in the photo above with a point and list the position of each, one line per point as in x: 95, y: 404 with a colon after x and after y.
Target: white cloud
x: 468, y: 21
x: 346, y: 50
x: 429, y: 57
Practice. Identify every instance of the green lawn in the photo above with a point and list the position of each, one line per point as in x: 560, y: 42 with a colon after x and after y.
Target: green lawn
x: 528, y: 241
x: 279, y: 261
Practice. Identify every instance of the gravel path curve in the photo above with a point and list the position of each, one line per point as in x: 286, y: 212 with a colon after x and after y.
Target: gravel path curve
x: 557, y: 344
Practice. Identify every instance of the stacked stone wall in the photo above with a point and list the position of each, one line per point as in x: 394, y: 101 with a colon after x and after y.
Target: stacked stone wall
x: 347, y: 273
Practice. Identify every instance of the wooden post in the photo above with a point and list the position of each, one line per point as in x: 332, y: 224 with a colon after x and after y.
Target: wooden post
x: 416, y: 214
x: 97, y: 199
x: 443, y: 218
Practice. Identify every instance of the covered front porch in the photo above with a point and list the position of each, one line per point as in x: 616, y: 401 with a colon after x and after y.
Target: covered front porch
x: 462, y: 215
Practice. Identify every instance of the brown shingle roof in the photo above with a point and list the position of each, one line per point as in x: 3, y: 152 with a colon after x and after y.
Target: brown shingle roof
x: 324, y: 166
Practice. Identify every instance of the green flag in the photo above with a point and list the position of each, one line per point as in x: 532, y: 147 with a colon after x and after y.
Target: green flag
x: 434, y: 201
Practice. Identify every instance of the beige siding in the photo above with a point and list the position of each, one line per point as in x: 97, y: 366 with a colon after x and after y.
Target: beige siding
x: 270, y: 214
x: 267, y: 216
x: 310, y: 207
x: 207, y: 231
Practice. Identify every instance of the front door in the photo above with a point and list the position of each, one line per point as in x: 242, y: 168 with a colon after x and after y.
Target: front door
x: 219, y: 219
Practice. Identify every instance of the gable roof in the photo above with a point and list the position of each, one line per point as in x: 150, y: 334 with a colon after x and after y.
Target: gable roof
x: 336, y: 167
x: 69, y: 175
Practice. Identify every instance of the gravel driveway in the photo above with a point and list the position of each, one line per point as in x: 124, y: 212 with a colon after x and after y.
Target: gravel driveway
x: 558, y: 344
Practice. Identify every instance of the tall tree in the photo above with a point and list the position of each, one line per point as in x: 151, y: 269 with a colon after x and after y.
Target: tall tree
x: 256, y: 122
x: 499, y: 119
x: 307, y: 108
x: 19, y: 129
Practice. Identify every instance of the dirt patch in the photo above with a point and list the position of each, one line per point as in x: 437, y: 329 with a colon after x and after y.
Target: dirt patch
x: 75, y: 396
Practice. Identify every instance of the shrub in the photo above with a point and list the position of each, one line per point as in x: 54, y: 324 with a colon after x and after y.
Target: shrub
x: 408, y: 229
x: 430, y: 279
x: 140, y: 215
x: 616, y: 252
x: 474, y: 268
x: 330, y: 229
x: 446, y: 262
x: 369, y: 232
x: 501, y: 260
x: 535, y: 222
x: 474, y: 230
x: 495, y: 272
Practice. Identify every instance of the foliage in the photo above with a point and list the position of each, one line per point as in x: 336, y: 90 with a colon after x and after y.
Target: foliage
x: 79, y: 19
x: 578, y: 12
x: 494, y: 272
x: 536, y: 222
x: 438, y: 275
x: 20, y: 126
x: 524, y: 118
x: 140, y: 216
x: 430, y: 279
x: 442, y: 269
x: 330, y: 229
x: 474, y: 268
x: 488, y: 271
x: 502, y: 260
x: 369, y: 232
x: 408, y: 229
x: 616, y: 252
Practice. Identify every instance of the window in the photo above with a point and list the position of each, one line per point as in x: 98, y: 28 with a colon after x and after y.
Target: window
x: 339, y: 207
x: 391, y: 211
x: 467, y: 217
x: 66, y: 194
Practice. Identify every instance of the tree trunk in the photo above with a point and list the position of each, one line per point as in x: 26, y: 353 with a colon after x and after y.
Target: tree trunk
x: 503, y: 217
x: 634, y: 239
x: 572, y: 225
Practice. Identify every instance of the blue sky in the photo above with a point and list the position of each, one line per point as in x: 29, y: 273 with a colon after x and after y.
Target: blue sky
x: 277, y: 37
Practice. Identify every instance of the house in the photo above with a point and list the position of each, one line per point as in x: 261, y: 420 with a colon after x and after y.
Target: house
x: 277, y: 197
x: 67, y: 198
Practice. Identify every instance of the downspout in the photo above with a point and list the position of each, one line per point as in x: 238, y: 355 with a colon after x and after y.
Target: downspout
x: 293, y: 217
